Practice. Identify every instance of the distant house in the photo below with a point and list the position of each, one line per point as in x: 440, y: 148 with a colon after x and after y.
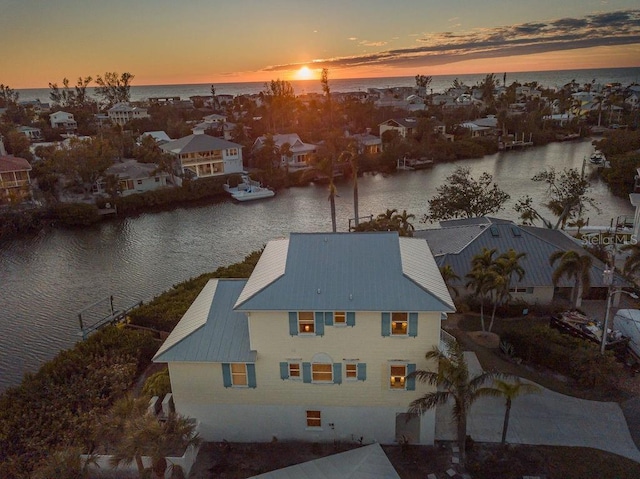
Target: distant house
x: 301, y: 152
x: 134, y: 177
x: 15, y: 182
x: 482, y: 126
x: 404, y: 126
x: 158, y: 136
x: 456, y: 242
x: 316, y: 345
x: 201, y: 155
x: 123, y: 113
x: 368, y: 143
x: 32, y: 133
x: 64, y: 121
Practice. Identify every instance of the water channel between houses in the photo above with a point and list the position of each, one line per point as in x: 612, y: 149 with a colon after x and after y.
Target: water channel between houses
x: 45, y: 280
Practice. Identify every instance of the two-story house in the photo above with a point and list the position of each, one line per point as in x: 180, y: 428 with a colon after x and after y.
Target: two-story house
x: 123, y: 113
x: 64, y: 121
x: 15, y: 182
x: 316, y: 345
x: 201, y: 155
x: 299, y: 155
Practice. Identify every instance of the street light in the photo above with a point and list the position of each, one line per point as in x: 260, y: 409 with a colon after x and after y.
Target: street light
x: 607, y: 279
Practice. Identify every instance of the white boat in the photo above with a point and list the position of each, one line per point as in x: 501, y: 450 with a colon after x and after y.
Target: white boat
x: 597, y: 158
x: 248, y: 190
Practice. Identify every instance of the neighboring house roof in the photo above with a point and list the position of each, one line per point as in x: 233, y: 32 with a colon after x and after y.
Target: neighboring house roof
x: 457, y: 245
x: 402, y: 122
x: 157, y: 135
x: 210, y: 330
x: 198, y: 142
x: 13, y: 163
x: 346, y: 271
x: 367, y: 139
x: 132, y: 169
x: 364, y: 462
x: 125, y: 107
x: 62, y: 114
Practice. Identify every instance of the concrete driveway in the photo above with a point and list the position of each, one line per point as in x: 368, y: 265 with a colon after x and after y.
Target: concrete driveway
x: 546, y: 418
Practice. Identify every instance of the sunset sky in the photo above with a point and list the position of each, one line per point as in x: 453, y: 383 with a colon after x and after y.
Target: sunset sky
x: 219, y: 41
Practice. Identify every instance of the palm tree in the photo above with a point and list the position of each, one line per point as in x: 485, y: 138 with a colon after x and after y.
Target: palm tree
x: 501, y: 275
x: 351, y: 156
x: 632, y: 263
x: 574, y: 266
x: 453, y: 383
x: 142, y: 434
x: 480, y: 277
x: 510, y: 391
x: 449, y: 275
x: 406, y: 228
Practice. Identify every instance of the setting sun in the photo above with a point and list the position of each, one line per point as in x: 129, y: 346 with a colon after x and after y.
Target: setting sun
x: 305, y: 73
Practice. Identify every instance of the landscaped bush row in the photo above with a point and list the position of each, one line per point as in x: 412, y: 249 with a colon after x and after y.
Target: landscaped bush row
x: 576, y: 358
x: 59, y: 406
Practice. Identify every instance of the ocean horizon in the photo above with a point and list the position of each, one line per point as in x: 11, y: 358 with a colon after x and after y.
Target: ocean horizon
x: 547, y: 79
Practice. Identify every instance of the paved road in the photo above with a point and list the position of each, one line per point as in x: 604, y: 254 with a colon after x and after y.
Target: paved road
x: 546, y: 418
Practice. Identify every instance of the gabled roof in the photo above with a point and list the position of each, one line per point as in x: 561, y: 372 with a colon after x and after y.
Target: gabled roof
x: 367, y: 462
x: 457, y: 245
x: 134, y: 170
x: 13, y: 163
x: 196, y: 143
x: 210, y: 331
x: 409, y: 122
x: 346, y: 271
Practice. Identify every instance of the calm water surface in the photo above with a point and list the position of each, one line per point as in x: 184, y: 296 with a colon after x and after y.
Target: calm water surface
x: 45, y: 280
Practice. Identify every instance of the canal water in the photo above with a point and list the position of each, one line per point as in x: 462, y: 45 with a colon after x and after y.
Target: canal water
x: 45, y: 280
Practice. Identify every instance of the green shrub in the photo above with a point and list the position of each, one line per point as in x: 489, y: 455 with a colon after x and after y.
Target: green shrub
x: 157, y: 384
x: 573, y: 357
x: 73, y: 214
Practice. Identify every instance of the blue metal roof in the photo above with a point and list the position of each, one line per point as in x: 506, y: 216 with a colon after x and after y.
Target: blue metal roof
x: 537, y: 243
x: 210, y: 330
x: 347, y: 272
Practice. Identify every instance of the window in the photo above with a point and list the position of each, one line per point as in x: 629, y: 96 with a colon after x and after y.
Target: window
x: 238, y: 374
x: 322, y: 372
x: 397, y: 376
x: 157, y: 180
x: 314, y: 419
x: 139, y: 182
x: 340, y: 317
x: 294, y: 370
x: 351, y: 371
x: 306, y: 323
x: 399, y: 324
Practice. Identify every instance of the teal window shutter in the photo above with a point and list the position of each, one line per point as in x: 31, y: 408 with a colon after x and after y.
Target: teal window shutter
x: 293, y: 323
x: 328, y: 318
x: 413, y: 324
x: 351, y: 318
x: 251, y: 375
x: 226, y: 375
x: 337, y: 373
x: 306, y: 372
x: 284, y: 370
x: 411, y: 382
x: 386, y: 324
x: 319, y: 324
x: 362, y: 371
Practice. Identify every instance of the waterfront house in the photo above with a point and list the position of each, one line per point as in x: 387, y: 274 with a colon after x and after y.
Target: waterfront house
x: 63, y: 120
x: 134, y: 177
x: 15, y: 182
x: 367, y: 143
x: 316, y: 345
x: 31, y: 132
x: 200, y: 155
x: 456, y: 242
x: 300, y: 152
x: 404, y: 126
x: 123, y: 113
